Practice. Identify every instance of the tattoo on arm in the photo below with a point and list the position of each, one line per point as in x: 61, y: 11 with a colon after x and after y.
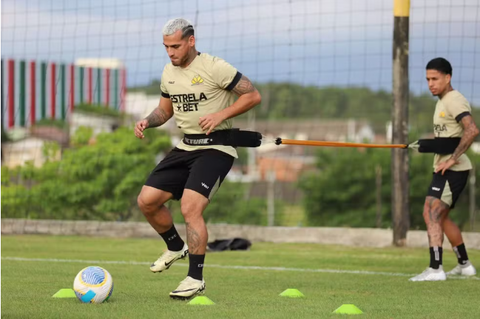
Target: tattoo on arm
x: 243, y: 86
x: 469, y: 134
x: 157, y: 117
x: 193, y: 239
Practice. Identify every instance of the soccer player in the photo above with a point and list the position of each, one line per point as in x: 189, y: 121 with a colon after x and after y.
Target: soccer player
x: 198, y: 90
x: 452, y: 119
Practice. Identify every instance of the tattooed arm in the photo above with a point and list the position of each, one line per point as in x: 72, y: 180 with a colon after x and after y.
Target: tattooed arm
x: 158, y: 117
x: 469, y: 134
x: 248, y: 97
x: 161, y: 114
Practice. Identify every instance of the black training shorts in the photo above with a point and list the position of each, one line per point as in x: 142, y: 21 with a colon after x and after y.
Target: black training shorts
x: 448, y: 187
x: 202, y: 171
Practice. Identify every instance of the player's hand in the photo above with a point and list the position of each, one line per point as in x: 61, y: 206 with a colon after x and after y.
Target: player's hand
x: 445, y: 165
x: 210, y: 121
x: 140, y: 126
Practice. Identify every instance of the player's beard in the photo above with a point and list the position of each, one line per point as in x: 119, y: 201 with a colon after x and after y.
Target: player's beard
x: 181, y: 62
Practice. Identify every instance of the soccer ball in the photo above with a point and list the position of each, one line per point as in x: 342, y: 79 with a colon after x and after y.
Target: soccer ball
x: 93, y: 285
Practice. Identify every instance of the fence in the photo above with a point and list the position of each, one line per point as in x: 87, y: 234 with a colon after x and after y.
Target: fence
x: 324, y: 69
x: 49, y: 90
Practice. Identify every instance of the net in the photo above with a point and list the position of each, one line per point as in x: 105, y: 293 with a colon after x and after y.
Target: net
x: 76, y: 75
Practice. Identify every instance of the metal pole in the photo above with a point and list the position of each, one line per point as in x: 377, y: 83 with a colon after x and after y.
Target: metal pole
x: 400, y: 198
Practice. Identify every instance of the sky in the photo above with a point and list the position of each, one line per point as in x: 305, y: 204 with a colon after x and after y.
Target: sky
x: 321, y: 42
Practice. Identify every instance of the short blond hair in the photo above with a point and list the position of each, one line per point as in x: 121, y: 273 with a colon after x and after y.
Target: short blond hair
x: 177, y: 24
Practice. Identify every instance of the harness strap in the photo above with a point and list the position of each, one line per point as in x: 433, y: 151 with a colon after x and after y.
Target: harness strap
x: 231, y: 137
x: 439, y: 145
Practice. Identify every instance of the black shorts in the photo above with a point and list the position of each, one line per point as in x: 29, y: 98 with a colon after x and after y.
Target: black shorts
x: 448, y: 187
x: 202, y: 171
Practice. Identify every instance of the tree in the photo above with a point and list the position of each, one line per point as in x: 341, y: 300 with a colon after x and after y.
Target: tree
x: 342, y: 193
x: 91, y: 181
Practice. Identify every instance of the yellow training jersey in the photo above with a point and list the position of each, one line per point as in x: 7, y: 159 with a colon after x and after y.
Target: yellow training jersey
x: 203, y: 87
x: 446, y: 123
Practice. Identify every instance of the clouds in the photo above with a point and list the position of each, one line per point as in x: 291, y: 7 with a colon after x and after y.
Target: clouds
x: 320, y: 42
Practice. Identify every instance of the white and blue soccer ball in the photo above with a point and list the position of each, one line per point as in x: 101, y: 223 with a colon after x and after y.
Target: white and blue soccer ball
x: 93, y: 285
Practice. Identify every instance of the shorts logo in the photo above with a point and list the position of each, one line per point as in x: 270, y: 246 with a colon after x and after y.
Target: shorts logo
x: 197, y: 80
x: 436, y: 189
x: 205, y: 185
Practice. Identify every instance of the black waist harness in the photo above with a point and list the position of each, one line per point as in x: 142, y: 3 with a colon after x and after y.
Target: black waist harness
x: 232, y: 137
x: 439, y: 145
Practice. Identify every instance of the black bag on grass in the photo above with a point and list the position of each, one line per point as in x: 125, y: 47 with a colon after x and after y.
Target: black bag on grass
x: 229, y: 244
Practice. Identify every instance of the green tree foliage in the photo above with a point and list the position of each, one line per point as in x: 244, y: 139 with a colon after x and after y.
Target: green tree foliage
x: 343, y: 192
x: 98, y: 181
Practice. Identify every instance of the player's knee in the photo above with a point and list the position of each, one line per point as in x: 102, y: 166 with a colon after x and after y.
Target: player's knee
x: 146, y: 204
x: 190, y: 210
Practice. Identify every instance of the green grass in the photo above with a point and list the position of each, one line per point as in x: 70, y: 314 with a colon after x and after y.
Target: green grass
x: 27, y: 286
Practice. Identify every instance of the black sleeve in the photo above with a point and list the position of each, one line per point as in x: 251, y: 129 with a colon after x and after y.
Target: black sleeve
x: 234, y: 82
x: 460, y: 116
x: 166, y: 95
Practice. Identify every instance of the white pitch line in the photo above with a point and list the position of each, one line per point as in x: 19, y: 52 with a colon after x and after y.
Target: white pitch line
x: 123, y: 262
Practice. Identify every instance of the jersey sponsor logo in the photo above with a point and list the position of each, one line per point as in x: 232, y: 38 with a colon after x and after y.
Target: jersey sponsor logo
x: 440, y: 127
x: 188, y: 102
x: 197, y: 80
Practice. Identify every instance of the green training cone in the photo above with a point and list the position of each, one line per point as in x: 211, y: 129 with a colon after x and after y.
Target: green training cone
x: 201, y: 300
x: 65, y: 293
x: 292, y: 293
x: 348, y: 309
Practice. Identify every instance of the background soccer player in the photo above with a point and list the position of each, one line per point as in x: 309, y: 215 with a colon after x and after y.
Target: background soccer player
x: 452, y: 119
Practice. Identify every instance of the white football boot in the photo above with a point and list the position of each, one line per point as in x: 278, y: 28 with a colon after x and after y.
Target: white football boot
x: 463, y: 270
x: 188, y: 288
x: 430, y: 274
x: 168, y: 258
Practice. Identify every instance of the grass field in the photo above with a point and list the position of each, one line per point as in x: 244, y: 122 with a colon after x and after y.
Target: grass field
x: 242, y: 284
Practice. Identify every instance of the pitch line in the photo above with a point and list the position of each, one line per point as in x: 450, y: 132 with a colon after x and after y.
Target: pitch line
x: 305, y: 270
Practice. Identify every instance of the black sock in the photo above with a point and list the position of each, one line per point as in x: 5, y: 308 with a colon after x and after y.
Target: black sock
x: 172, y: 239
x: 196, y: 266
x: 461, y: 252
x: 436, y: 257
